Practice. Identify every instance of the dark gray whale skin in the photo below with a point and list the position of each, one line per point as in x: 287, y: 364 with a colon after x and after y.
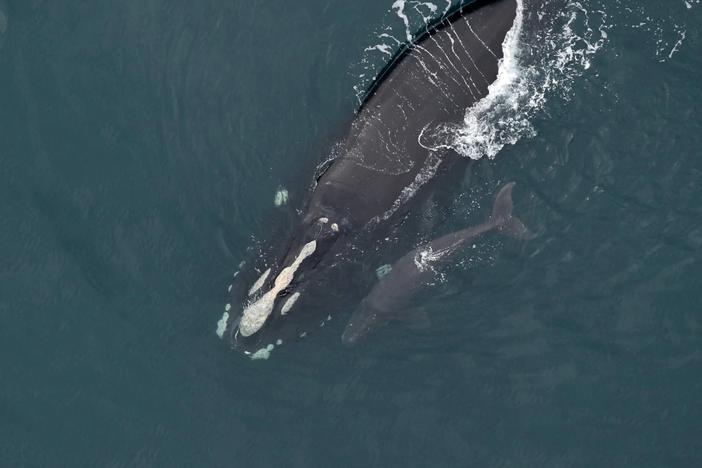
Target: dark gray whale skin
x: 440, y: 77
x: 432, y: 81
x: 391, y: 296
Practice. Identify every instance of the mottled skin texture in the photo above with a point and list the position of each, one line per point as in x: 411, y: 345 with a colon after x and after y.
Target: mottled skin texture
x: 435, y: 81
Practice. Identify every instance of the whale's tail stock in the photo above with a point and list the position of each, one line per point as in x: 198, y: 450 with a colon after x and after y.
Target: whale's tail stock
x: 503, y: 219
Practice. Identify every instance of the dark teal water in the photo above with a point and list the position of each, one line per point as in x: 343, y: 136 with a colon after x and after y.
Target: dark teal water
x: 141, y: 144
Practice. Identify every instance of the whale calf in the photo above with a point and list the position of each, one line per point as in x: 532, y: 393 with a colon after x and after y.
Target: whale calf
x: 390, y: 298
x: 381, y: 165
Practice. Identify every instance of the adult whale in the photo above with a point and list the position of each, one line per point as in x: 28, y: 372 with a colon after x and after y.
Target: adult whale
x: 381, y: 164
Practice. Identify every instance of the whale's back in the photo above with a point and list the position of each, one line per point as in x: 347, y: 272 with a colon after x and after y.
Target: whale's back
x: 432, y: 81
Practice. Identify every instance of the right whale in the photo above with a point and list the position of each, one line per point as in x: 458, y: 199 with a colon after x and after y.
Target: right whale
x: 391, y: 297
x: 382, y: 162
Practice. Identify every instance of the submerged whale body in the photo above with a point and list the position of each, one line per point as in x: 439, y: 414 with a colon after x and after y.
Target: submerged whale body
x: 381, y: 164
x: 391, y: 296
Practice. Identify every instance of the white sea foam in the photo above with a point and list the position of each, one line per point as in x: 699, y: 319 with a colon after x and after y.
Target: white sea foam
x: 426, y: 257
x: 399, y: 6
x: 552, y: 44
x: 479, y: 135
x: 548, y: 47
x: 543, y: 54
x: 384, y: 48
x: 677, y: 45
x: 665, y: 28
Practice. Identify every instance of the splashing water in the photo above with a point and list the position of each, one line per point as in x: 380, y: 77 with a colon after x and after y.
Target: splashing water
x: 666, y: 33
x: 399, y: 5
x: 551, y: 45
x: 543, y: 54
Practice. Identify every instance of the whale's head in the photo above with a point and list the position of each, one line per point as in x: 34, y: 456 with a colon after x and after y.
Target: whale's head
x: 267, y: 307
x: 366, y: 318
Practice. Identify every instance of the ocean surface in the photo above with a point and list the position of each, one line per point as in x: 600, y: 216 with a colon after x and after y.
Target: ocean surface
x: 142, y: 143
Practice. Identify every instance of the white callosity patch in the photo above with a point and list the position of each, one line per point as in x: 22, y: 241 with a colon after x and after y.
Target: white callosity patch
x: 222, y: 324
x: 255, y: 314
x: 259, y: 282
x: 281, y: 196
x: 241, y: 265
x: 383, y: 270
x: 335, y: 227
x: 289, y: 303
x: 263, y: 353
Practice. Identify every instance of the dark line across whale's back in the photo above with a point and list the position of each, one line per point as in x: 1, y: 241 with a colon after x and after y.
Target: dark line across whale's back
x: 429, y: 30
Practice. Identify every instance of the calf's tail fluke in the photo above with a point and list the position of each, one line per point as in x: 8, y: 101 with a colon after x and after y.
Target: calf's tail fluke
x: 503, y: 219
